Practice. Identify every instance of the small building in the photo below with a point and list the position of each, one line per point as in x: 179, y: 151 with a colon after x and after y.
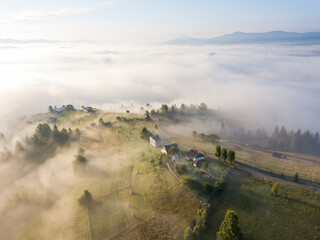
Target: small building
x: 166, y: 148
x: 58, y: 110
x: 155, y: 141
x: 87, y: 109
x: 279, y: 155
x: 194, y: 155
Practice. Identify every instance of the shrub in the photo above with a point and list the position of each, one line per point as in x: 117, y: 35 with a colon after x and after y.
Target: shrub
x: 274, y: 189
x: 296, y: 177
x: 207, y: 187
x: 188, y: 234
x: 181, y: 169
x: 189, y: 182
x: 145, y: 134
x: 86, y: 199
x: 70, y: 107
x: 218, y: 185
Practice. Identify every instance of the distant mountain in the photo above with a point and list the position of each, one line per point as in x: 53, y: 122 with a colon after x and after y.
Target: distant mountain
x: 253, y: 38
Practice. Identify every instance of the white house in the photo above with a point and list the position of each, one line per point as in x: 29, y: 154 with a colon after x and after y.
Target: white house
x: 156, y: 141
x: 194, y: 155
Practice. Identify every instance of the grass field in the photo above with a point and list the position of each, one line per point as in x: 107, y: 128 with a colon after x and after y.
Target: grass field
x: 293, y: 214
x: 308, y: 167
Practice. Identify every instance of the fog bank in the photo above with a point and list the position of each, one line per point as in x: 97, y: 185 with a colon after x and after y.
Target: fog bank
x: 258, y: 85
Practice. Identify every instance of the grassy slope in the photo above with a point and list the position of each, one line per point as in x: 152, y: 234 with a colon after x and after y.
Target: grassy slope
x: 294, y: 214
x: 116, y: 171
x: 158, y: 207
x: 307, y: 169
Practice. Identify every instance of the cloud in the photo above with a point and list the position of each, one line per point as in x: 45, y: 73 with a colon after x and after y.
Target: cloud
x: 31, y: 15
x: 256, y: 85
x: 35, y: 15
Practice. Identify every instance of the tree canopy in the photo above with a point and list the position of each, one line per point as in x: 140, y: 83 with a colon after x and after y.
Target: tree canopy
x: 231, y: 155
x: 224, y: 154
x: 229, y: 228
x: 218, y: 151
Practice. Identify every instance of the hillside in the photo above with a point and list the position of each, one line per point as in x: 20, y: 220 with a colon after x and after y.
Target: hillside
x: 136, y: 191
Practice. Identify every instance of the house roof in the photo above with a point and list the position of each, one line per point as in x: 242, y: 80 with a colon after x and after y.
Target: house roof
x: 194, y: 154
x: 58, y: 110
x: 169, y: 146
x: 86, y: 108
x: 156, y: 137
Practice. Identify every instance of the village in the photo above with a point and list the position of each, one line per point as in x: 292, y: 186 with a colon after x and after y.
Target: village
x: 193, y: 155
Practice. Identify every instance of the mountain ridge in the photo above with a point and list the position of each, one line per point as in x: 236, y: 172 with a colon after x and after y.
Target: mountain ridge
x: 307, y: 38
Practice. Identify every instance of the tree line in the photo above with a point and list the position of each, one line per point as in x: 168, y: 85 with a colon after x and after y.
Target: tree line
x: 44, y: 142
x: 209, y: 138
x: 225, y: 154
x: 282, y: 139
x: 184, y: 109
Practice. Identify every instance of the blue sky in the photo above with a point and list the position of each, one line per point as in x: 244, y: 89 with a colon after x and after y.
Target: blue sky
x: 152, y: 20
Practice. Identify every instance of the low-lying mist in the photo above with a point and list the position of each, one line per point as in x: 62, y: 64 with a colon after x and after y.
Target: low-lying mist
x: 40, y: 180
x: 259, y: 86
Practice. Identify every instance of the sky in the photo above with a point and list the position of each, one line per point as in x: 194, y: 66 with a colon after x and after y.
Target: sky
x: 151, y: 21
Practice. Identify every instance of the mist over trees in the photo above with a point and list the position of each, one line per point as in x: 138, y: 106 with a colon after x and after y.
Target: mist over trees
x: 44, y: 142
x: 305, y: 142
x: 183, y: 110
x: 282, y: 140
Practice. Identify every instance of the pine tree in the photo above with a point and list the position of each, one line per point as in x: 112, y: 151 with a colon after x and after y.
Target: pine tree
x: 218, y: 151
x: 224, y: 154
x: 229, y: 228
x: 231, y: 155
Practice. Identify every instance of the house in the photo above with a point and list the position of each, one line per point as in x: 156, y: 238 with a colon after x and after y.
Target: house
x: 194, y: 155
x: 279, y: 155
x: 58, y: 110
x: 155, y: 141
x: 86, y: 109
x: 166, y: 148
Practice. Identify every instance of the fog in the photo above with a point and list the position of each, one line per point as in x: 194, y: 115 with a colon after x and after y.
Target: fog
x: 259, y: 86
x: 255, y: 86
x: 39, y: 199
